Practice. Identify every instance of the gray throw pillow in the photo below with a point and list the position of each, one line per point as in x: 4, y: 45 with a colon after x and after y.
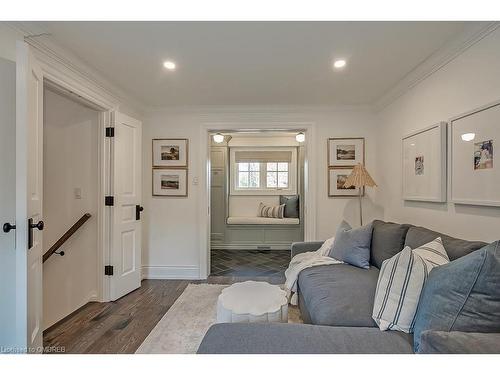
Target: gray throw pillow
x: 291, y: 203
x: 352, y: 246
x: 463, y: 295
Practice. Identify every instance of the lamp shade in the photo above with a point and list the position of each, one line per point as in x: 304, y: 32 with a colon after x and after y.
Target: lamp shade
x: 359, y: 177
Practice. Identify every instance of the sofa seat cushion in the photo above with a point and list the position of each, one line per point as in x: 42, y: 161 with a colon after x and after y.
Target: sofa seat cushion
x: 255, y: 220
x: 455, y: 247
x: 388, y: 239
x: 339, y: 294
x: 283, y: 338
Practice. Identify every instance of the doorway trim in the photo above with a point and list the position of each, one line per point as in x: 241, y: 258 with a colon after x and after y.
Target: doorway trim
x: 264, y: 126
x: 59, y: 75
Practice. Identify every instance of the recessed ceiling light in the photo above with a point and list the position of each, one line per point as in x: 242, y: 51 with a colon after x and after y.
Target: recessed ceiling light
x: 339, y: 64
x: 170, y: 65
x: 468, y: 137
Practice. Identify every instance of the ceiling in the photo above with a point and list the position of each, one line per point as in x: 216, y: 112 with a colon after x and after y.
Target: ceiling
x: 253, y: 63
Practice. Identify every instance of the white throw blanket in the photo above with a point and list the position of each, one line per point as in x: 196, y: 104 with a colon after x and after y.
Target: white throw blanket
x: 306, y: 260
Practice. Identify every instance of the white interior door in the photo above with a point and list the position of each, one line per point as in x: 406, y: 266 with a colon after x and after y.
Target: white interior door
x: 125, y: 254
x: 29, y: 194
x: 7, y: 204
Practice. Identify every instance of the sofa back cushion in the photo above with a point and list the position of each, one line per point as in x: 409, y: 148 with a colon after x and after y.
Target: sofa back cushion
x: 388, y: 239
x: 455, y: 247
x: 463, y: 295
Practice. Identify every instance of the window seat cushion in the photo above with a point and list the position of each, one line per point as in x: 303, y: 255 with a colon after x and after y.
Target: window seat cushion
x: 255, y: 220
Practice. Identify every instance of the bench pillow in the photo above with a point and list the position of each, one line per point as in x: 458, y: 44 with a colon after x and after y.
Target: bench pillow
x: 463, y: 295
x: 291, y: 203
x: 276, y: 212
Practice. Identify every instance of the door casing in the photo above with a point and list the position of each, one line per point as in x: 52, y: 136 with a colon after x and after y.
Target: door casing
x: 310, y: 157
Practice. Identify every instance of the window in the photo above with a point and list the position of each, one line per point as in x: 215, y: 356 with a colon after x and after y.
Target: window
x: 263, y: 170
x: 248, y: 175
x: 277, y: 175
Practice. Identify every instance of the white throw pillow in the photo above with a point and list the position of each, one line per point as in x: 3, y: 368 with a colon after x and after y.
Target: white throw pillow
x: 327, y: 246
x: 400, y: 282
x: 276, y: 212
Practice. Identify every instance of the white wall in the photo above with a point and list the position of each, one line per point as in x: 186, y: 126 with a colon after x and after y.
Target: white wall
x: 469, y: 81
x: 171, y: 239
x: 70, y: 161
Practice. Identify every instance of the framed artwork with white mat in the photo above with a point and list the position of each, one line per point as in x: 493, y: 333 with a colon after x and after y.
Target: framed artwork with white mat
x: 475, y: 169
x: 346, y: 152
x: 170, y: 152
x: 424, y: 164
x: 170, y: 183
x: 336, y: 179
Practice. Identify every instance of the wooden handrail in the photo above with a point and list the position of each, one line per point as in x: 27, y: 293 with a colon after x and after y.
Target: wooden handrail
x: 65, y: 237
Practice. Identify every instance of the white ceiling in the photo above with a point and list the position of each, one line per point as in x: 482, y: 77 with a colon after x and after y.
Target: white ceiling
x: 253, y: 63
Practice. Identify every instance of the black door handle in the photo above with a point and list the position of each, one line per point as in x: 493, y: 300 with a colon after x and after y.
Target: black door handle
x: 138, y: 210
x: 40, y: 225
x: 7, y: 227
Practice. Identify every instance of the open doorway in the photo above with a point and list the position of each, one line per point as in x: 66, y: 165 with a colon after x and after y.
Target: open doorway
x: 256, y: 185
x: 70, y: 194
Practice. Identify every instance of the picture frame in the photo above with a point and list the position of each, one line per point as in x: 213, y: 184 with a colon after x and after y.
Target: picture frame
x: 170, y: 182
x: 170, y: 152
x: 474, y: 166
x: 336, y: 178
x: 424, y: 164
x: 345, y: 152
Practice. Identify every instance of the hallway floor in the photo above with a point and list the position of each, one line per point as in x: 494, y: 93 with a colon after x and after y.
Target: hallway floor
x: 267, y: 263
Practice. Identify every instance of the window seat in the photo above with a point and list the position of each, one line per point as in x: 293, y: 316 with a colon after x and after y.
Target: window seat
x: 255, y: 220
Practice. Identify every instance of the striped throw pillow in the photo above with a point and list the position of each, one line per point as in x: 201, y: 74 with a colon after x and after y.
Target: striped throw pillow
x: 400, y: 282
x: 276, y: 212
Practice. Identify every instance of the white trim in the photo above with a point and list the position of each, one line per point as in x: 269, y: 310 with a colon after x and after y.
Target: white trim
x: 310, y: 183
x: 170, y: 272
x: 473, y: 34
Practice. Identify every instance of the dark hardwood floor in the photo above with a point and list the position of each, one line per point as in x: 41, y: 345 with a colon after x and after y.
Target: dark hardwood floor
x: 121, y: 326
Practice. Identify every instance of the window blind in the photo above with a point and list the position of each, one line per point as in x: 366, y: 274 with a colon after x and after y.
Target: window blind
x: 262, y: 156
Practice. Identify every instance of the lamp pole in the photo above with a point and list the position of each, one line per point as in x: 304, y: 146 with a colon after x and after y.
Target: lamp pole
x: 360, y: 207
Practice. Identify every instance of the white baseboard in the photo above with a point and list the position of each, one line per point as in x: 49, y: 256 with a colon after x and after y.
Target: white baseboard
x: 171, y: 272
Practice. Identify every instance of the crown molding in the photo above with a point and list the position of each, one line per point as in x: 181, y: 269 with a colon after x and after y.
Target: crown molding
x: 56, y: 58
x: 257, y: 109
x: 443, y: 56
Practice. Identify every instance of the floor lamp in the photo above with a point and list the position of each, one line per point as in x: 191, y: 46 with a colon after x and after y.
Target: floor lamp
x: 359, y: 178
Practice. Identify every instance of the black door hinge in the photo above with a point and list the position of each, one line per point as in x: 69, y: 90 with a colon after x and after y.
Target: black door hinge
x: 109, y: 200
x: 108, y: 270
x: 110, y: 132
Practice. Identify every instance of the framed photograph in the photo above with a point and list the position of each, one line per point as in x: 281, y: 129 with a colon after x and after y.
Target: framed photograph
x: 346, y: 152
x: 172, y: 153
x: 170, y: 182
x: 475, y: 169
x: 424, y: 164
x: 336, y: 180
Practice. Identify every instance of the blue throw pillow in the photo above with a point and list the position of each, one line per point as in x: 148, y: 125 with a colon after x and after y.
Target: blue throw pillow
x: 463, y: 295
x: 352, y: 246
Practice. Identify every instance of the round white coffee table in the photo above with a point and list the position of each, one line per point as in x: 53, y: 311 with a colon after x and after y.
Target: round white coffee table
x: 252, y: 301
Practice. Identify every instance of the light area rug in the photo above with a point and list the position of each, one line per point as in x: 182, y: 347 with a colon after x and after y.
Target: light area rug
x: 182, y: 328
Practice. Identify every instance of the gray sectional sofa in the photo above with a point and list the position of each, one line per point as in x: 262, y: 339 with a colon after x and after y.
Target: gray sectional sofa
x: 336, y: 303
